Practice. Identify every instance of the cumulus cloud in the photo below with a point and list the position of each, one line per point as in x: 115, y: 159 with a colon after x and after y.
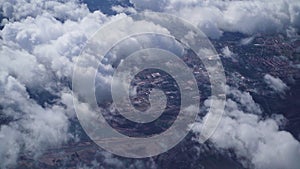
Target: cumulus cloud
x: 40, y: 43
x: 60, y: 9
x: 121, y: 9
x: 227, y: 53
x: 275, y: 83
x: 249, y: 17
x: 257, y: 142
x: 33, y: 127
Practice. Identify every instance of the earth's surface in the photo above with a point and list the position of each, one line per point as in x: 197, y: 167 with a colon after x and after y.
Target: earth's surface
x: 276, y: 55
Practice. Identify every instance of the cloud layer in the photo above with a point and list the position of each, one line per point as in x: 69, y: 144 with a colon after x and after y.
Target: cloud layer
x: 249, y: 17
x: 258, y: 142
x: 38, y: 47
x: 41, y: 40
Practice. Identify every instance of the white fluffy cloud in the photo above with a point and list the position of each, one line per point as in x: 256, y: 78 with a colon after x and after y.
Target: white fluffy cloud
x: 40, y: 43
x: 249, y: 17
x: 258, y: 142
x: 61, y: 9
x: 227, y: 53
x: 33, y: 127
x: 38, y: 47
x: 275, y: 83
